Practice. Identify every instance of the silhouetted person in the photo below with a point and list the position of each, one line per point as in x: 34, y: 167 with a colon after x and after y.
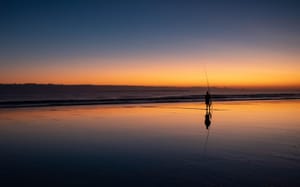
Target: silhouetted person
x: 207, y: 119
x: 207, y: 100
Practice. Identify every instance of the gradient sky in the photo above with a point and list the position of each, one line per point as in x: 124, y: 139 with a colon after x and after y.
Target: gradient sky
x: 238, y: 43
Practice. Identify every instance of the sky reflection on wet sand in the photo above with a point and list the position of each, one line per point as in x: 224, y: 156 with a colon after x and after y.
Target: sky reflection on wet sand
x: 248, y: 143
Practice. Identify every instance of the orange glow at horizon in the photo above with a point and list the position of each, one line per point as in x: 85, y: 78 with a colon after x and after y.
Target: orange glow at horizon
x: 243, y: 70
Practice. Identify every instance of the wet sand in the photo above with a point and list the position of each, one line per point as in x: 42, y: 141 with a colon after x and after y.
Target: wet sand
x: 248, y: 143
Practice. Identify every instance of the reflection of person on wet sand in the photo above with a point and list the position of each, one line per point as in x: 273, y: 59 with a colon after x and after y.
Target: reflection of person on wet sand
x: 207, y: 119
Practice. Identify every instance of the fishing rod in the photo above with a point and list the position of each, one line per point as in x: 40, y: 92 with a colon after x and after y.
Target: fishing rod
x: 208, y: 86
x: 206, y: 78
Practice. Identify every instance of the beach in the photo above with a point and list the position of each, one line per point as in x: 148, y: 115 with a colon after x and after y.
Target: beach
x: 248, y: 143
x: 150, y: 93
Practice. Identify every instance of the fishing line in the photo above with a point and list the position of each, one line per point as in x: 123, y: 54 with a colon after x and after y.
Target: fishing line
x: 206, y: 77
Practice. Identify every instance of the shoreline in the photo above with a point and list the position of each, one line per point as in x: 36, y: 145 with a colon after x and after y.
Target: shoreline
x: 122, y: 101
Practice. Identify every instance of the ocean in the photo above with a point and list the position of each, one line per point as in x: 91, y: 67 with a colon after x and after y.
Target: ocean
x: 33, y: 95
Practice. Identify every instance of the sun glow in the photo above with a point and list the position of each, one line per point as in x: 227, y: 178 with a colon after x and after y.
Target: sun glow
x: 224, y: 70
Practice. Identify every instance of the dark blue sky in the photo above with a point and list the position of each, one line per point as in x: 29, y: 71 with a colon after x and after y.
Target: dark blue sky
x: 47, y: 28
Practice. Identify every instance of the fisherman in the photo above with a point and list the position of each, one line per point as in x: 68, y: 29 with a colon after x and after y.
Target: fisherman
x: 207, y: 100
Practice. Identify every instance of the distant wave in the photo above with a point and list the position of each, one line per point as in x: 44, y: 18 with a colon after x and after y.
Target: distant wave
x: 141, y: 100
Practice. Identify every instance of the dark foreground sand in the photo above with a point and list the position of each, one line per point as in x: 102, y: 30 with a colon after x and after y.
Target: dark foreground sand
x: 249, y: 143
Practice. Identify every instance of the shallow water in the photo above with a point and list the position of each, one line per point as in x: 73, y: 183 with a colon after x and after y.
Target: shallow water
x: 249, y: 143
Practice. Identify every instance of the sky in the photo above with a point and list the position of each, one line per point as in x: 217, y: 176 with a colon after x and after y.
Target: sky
x: 244, y: 43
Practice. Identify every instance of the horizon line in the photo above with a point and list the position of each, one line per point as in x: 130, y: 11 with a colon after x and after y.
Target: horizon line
x: 166, y: 86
